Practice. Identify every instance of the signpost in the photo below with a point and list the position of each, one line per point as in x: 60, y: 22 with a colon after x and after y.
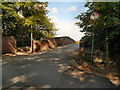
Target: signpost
x: 92, y: 17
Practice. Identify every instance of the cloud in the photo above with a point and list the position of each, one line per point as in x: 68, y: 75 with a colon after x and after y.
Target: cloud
x: 55, y: 20
x: 54, y: 10
x: 67, y: 28
x: 72, y: 8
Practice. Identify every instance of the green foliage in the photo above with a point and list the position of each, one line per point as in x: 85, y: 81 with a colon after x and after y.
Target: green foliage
x: 18, y: 16
x: 87, y: 41
x: 109, y: 21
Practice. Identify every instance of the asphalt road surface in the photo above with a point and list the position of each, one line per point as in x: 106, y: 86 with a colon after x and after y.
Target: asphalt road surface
x: 47, y: 70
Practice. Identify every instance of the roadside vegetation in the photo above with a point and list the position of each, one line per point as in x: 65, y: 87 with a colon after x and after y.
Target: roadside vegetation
x: 17, y: 18
x: 105, y: 31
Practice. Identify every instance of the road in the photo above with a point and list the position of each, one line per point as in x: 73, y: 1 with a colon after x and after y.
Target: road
x: 47, y: 70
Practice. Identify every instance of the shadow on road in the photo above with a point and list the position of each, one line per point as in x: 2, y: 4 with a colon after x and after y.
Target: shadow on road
x: 47, y: 70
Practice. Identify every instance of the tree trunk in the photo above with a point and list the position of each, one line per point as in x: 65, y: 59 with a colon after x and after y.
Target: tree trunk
x: 107, y: 52
x: 92, y: 46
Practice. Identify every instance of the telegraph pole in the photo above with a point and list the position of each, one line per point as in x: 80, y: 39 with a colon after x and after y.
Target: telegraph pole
x: 31, y: 40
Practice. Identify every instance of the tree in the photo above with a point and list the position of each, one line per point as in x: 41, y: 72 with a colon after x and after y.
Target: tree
x: 18, y: 16
x: 106, y: 27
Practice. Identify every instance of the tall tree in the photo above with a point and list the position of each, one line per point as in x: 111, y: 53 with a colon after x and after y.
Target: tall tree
x: 18, y: 16
x: 106, y: 27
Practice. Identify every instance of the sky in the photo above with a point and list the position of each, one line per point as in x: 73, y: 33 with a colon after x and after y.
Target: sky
x: 63, y: 16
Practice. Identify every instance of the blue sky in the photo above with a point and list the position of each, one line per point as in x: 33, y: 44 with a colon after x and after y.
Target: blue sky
x: 63, y: 9
x: 63, y: 15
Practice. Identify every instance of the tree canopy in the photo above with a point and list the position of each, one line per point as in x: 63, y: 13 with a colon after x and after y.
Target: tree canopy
x: 18, y: 16
x: 106, y: 28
